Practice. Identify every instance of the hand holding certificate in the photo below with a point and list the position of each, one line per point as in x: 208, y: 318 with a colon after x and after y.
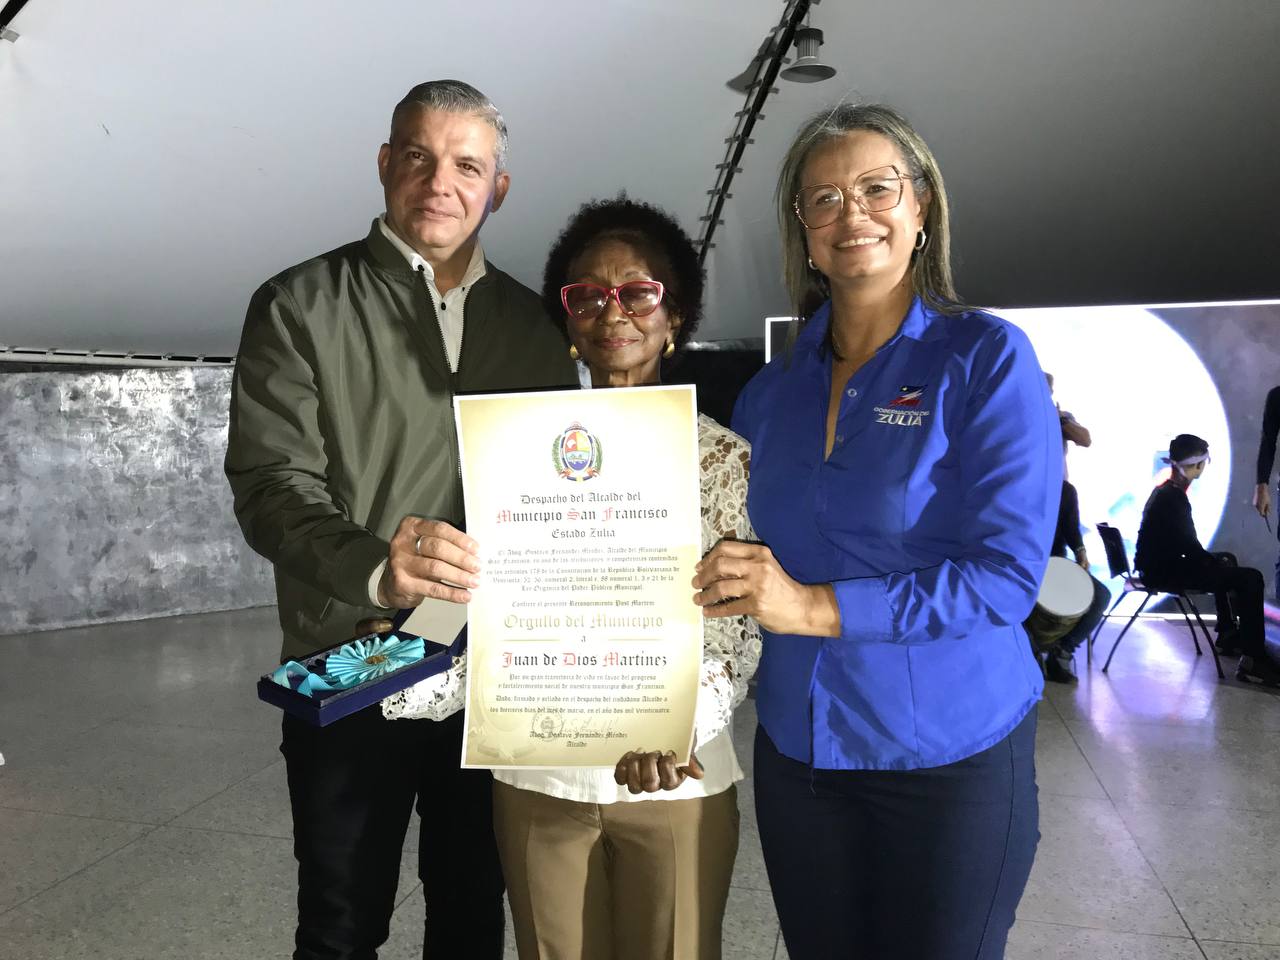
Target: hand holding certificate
x: 584, y: 643
x: 650, y: 772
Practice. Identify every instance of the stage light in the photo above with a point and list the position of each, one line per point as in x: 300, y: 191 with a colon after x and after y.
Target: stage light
x: 808, y: 67
x: 1135, y: 383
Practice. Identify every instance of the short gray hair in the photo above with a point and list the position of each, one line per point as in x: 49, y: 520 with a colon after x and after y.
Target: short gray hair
x: 930, y: 268
x: 455, y: 96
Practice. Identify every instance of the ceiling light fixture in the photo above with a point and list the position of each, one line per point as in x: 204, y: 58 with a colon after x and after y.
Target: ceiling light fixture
x: 808, y: 67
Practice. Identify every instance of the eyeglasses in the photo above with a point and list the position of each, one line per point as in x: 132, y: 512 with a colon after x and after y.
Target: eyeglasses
x: 635, y: 298
x: 874, y: 191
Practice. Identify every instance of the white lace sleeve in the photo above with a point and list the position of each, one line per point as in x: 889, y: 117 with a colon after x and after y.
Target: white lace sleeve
x: 434, y: 698
x: 731, y: 648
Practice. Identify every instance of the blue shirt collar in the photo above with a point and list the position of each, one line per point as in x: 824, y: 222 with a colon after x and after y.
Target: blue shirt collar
x: 916, y: 325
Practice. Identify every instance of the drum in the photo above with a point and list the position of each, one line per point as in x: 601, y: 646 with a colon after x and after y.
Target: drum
x: 1065, y: 595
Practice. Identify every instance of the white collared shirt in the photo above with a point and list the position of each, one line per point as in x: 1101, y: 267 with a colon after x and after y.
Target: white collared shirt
x: 449, y: 306
x: 449, y: 309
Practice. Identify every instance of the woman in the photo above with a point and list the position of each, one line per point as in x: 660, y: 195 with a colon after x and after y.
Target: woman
x: 589, y: 873
x: 1169, y: 555
x: 905, y: 472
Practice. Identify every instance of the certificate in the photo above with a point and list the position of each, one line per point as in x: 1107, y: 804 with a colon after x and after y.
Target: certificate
x: 583, y: 638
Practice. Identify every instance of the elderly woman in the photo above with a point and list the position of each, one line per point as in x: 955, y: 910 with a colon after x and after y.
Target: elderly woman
x: 905, y: 472
x: 590, y: 872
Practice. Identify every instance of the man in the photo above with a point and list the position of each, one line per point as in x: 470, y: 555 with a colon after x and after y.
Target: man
x: 1058, y: 659
x: 1169, y: 557
x: 1073, y: 431
x: 341, y: 443
x: 1266, y: 459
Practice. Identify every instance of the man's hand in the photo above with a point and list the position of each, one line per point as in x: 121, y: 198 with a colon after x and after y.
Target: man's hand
x: 371, y: 625
x: 738, y: 578
x: 428, y: 558
x: 1076, y: 432
x: 1262, y: 500
x: 649, y: 772
x: 1082, y: 558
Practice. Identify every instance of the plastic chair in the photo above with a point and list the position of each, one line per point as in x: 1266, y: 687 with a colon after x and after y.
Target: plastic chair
x: 1118, y: 562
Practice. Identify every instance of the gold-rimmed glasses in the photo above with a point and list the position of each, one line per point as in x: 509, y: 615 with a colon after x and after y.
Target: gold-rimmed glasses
x: 874, y: 191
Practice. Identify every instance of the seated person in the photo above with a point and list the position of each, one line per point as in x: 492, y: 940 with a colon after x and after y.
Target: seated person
x: 1067, y: 534
x: 1169, y: 557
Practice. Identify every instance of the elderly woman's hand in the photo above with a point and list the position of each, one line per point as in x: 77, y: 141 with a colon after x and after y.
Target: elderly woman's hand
x: 650, y: 771
x: 738, y: 578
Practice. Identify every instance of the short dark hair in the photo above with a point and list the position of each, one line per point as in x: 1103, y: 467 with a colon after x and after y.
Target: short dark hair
x: 1187, y: 445
x: 649, y: 228
x: 454, y: 96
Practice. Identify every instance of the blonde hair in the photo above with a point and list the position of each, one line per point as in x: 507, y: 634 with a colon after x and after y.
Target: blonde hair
x: 930, y: 267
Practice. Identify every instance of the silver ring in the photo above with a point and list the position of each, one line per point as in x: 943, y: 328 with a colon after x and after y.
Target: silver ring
x: 417, y: 546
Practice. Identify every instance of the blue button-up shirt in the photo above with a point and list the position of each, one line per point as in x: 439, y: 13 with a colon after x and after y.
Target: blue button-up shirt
x: 932, y: 519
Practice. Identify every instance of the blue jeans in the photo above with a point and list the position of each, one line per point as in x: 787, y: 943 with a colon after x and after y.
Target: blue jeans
x: 909, y: 864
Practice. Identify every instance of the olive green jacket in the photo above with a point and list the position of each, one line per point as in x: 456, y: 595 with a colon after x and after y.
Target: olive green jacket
x: 342, y: 418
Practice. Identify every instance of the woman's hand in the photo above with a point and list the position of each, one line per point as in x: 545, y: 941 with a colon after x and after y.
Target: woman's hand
x: 648, y: 772
x: 738, y: 578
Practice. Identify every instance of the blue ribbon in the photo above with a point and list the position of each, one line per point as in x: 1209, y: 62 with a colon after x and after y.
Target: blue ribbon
x: 352, y: 664
x: 362, y: 660
x: 297, y: 677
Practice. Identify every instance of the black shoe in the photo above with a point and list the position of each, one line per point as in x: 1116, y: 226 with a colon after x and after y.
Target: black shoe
x: 1228, y: 643
x: 1058, y: 670
x: 1258, y: 670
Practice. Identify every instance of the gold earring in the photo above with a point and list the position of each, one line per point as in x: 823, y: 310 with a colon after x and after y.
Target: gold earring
x: 573, y: 352
x: 671, y: 348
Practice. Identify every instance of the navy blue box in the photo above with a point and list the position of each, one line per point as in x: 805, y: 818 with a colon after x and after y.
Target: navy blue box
x: 327, y: 706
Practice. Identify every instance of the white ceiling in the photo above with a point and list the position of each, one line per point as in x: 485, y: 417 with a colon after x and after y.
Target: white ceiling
x: 159, y: 160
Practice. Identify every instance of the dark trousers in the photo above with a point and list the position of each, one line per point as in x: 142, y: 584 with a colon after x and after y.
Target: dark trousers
x: 353, y: 786
x: 1092, y: 617
x: 899, y: 865
x: 1237, y: 592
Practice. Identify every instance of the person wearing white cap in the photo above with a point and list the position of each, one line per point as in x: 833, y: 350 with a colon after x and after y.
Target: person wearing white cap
x: 1170, y: 557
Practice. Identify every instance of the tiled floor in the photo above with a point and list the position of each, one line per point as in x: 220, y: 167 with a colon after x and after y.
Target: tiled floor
x: 143, y: 811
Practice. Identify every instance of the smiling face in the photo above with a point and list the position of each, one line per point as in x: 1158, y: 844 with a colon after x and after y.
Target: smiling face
x: 618, y: 349
x: 440, y: 180
x: 859, y: 246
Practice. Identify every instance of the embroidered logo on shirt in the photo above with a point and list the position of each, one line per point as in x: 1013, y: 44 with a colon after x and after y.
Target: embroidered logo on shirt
x: 908, y: 396
x: 902, y: 410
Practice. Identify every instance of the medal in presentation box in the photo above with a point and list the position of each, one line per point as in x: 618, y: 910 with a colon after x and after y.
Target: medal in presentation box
x: 359, y: 673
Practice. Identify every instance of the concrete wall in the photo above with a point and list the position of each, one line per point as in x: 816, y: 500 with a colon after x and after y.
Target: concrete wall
x: 113, y: 505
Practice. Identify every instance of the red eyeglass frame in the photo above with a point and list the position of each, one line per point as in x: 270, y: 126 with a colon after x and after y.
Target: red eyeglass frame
x: 611, y: 293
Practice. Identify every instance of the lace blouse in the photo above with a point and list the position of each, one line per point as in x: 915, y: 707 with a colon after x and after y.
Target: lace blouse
x: 731, y: 650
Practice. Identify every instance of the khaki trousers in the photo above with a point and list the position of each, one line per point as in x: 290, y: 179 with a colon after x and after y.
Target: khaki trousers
x: 616, y: 881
